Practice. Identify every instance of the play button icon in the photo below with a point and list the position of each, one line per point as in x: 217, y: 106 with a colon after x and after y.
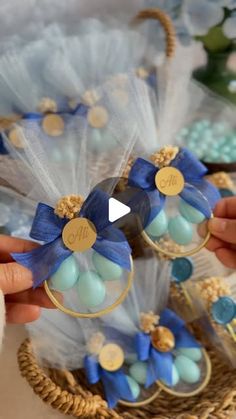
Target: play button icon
x: 128, y: 208
x: 117, y: 210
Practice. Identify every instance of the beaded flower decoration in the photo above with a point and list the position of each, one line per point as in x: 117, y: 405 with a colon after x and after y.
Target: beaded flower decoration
x: 174, y: 172
x: 74, y: 226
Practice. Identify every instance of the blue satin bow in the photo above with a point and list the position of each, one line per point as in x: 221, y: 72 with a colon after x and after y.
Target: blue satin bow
x: 115, y: 383
x: 47, y: 227
x: 197, y: 192
x: 160, y: 364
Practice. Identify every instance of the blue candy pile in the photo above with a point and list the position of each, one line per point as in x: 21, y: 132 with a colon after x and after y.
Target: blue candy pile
x: 212, y: 142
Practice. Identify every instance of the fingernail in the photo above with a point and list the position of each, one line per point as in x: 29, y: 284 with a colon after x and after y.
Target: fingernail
x: 217, y: 225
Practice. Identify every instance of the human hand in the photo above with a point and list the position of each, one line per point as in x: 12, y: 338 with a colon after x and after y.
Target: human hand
x: 223, y: 230
x: 22, y: 302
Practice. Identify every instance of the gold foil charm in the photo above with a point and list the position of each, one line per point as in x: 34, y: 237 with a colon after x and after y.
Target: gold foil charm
x: 169, y: 181
x: 163, y: 339
x: 111, y: 357
x: 98, y: 117
x: 53, y: 125
x: 79, y: 235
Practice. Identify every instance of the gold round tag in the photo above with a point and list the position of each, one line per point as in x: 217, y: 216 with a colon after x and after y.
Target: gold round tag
x: 16, y: 138
x: 97, y: 117
x: 169, y: 181
x: 53, y: 125
x: 111, y: 357
x: 163, y: 339
x: 79, y: 235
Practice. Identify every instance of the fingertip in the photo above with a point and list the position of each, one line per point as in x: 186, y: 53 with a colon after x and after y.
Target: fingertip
x: 22, y: 313
x: 227, y: 257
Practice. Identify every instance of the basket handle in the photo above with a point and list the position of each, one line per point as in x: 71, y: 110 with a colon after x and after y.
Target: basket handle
x: 167, y: 25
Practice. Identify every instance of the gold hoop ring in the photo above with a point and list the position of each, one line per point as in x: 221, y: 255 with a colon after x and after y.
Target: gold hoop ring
x: 199, y: 389
x: 191, y: 252
x: 100, y: 312
x: 141, y: 403
x: 162, y: 387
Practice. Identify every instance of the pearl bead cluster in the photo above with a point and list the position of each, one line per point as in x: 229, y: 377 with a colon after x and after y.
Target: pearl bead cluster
x: 213, y: 142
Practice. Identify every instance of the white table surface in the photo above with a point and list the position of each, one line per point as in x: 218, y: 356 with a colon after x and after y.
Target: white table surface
x: 17, y: 400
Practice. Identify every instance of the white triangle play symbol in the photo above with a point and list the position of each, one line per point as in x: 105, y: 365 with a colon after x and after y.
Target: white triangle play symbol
x: 117, y: 210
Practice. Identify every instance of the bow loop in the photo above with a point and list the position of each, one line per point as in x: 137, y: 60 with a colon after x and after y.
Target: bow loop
x: 170, y: 320
x: 190, y: 167
x: 160, y: 366
x: 115, y: 383
x: 92, y: 369
x: 142, y: 175
x: 142, y: 345
x: 43, y: 261
x: 47, y: 226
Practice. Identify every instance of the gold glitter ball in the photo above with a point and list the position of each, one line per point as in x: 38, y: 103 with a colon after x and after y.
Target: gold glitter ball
x: 163, y: 339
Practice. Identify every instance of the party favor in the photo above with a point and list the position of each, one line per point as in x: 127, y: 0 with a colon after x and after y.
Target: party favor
x: 82, y: 252
x: 166, y: 353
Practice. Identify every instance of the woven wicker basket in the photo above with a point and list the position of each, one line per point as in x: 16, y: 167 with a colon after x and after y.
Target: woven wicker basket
x: 69, y: 393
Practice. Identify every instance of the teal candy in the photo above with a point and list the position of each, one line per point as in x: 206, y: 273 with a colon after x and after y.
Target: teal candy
x: 91, y: 289
x: 188, y: 370
x: 138, y: 372
x: 107, y: 269
x: 66, y: 276
x: 195, y: 354
x: 190, y: 213
x: 96, y: 139
x: 175, y: 376
x: 214, y: 155
x: 180, y: 230
x: 158, y: 226
x: 225, y: 159
x: 101, y: 140
x: 134, y: 387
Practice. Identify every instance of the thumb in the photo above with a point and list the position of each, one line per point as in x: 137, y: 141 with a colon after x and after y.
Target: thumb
x: 224, y: 229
